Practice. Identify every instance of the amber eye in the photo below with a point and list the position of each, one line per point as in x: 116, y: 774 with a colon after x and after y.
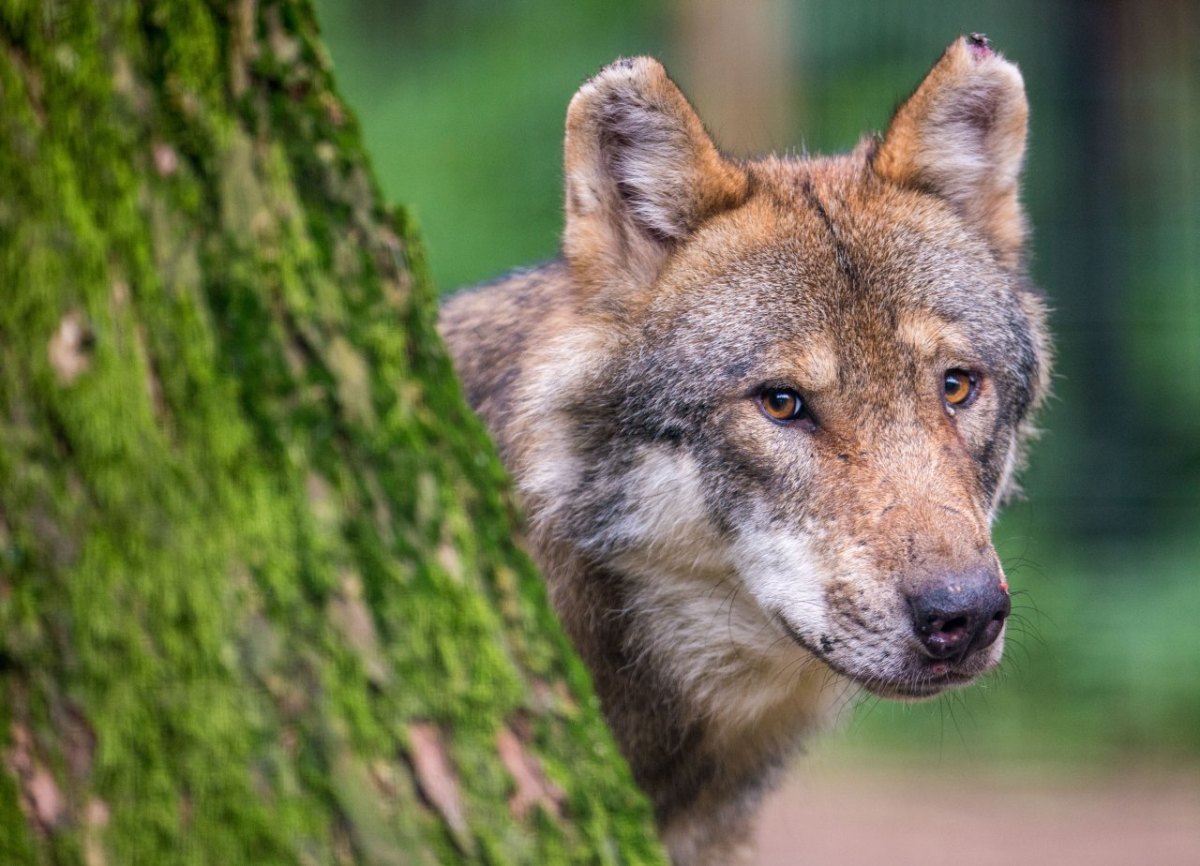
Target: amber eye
x: 959, y: 386
x: 781, y: 404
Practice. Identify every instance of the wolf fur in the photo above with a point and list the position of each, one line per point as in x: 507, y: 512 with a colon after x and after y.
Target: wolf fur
x: 732, y: 579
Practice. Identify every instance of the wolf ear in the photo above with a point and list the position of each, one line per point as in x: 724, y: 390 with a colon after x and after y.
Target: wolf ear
x: 961, y: 135
x: 641, y: 174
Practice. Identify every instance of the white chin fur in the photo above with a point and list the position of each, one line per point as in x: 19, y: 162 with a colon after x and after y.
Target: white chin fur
x: 707, y: 609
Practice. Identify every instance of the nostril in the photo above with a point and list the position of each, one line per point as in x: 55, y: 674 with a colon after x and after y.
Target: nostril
x: 960, y: 616
x: 957, y: 624
x: 987, y: 635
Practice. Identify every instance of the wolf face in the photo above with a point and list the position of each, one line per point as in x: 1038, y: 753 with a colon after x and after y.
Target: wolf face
x: 785, y: 414
x: 762, y: 415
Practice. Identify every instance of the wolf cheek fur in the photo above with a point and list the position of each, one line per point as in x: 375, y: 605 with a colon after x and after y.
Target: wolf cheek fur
x: 761, y: 415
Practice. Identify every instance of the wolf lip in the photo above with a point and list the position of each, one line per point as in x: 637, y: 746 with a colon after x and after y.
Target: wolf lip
x: 916, y: 687
x: 908, y: 690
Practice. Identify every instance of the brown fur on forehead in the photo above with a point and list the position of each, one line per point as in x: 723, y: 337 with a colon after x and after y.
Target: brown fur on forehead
x: 825, y: 246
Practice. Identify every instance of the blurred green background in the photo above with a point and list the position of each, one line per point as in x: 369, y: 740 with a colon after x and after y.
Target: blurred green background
x: 462, y: 104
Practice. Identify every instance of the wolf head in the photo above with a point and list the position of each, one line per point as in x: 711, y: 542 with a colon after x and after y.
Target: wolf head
x: 799, y: 387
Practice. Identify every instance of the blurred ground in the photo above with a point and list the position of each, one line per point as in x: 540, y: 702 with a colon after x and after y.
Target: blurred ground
x: 856, y: 816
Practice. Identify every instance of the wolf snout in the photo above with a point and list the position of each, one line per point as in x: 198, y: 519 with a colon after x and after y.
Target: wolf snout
x: 960, y: 614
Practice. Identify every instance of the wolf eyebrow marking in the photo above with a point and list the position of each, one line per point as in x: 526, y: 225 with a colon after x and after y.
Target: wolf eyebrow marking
x: 818, y: 362
x: 928, y: 333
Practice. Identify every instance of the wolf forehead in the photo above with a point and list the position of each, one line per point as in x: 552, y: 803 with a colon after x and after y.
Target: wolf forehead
x: 831, y: 275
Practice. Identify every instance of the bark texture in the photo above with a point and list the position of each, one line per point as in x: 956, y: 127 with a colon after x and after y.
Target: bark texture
x: 259, y: 601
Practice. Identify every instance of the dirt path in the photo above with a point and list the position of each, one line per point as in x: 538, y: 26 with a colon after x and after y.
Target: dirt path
x: 964, y: 815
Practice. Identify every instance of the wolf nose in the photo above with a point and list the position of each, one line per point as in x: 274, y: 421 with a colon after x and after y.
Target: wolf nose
x: 961, y: 615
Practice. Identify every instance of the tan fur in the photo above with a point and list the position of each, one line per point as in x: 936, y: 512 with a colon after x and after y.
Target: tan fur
x: 962, y: 134
x: 683, y: 178
x: 732, y: 581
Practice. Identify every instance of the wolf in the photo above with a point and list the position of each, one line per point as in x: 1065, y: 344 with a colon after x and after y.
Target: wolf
x: 761, y: 414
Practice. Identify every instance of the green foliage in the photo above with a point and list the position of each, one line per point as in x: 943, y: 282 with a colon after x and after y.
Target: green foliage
x: 249, y: 531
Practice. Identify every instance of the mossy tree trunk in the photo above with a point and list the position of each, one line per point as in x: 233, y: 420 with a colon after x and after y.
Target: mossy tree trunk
x: 258, y: 598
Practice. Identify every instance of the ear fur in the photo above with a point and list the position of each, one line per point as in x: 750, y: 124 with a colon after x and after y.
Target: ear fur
x: 641, y: 174
x: 961, y: 135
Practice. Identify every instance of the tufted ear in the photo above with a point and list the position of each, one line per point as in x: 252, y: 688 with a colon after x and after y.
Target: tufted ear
x: 961, y: 136
x: 641, y: 174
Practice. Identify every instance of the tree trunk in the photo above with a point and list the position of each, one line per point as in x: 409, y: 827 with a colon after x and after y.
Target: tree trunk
x: 259, y: 601
x: 736, y: 61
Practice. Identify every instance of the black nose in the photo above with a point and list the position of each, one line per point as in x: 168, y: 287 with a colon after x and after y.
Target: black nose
x: 961, y: 614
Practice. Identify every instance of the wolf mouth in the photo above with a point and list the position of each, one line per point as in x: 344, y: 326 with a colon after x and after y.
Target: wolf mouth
x: 932, y: 679
x: 915, y: 688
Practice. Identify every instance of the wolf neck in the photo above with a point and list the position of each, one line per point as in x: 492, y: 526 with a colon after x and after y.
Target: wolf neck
x: 706, y: 694
x: 707, y: 702
x: 690, y: 612
x: 743, y: 683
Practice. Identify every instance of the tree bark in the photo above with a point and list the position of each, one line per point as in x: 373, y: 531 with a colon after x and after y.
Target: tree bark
x: 259, y: 597
x: 737, y: 63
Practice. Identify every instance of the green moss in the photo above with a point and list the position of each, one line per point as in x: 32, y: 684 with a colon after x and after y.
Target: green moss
x: 253, y: 532
x: 16, y: 844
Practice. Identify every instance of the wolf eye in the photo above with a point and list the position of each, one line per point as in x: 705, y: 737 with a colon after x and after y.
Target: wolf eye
x: 959, y: 387
x: 781, y: 404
